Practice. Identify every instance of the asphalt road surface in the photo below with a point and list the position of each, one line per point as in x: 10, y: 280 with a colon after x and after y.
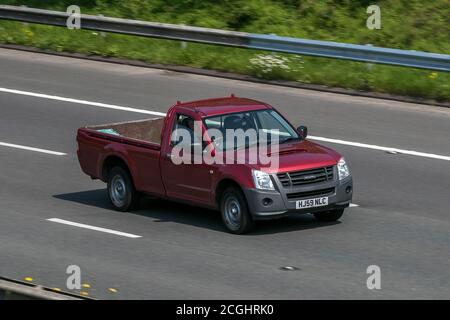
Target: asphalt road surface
x: 401, y: 223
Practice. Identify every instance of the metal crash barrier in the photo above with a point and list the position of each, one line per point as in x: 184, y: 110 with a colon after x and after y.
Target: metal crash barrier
x: 272, y: 43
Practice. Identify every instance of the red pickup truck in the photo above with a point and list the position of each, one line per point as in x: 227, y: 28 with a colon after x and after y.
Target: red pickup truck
x: 137, y: 157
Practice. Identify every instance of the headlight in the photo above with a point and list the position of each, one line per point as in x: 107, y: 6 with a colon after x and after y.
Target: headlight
x: 262, y: 180
x: 343, y: 170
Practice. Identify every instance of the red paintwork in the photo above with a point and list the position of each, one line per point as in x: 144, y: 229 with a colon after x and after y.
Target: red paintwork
x: 155, y: 174
x: 214, y: 107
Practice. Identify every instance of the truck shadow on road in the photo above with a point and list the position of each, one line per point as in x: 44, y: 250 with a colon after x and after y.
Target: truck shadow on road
x: 168, y: 211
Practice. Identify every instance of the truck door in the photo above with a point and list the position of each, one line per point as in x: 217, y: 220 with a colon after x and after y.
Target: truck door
x: 185, y: 181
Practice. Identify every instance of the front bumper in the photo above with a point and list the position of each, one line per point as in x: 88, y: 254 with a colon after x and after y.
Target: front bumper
x: 265, y: 204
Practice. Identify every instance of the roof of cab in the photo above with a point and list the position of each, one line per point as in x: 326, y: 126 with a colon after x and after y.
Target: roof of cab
x: 218, y: 106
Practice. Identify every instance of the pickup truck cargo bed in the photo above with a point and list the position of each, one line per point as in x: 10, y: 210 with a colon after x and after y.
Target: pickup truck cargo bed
x: 148, y: 130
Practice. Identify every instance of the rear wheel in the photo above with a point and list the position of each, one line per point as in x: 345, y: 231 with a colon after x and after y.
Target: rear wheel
x: 234, y: 211
x: 329, y: 216
x: 121, y: 190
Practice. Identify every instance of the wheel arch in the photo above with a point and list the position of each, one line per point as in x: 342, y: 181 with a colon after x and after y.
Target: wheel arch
x: 223, y: 185
x: 114, y: 161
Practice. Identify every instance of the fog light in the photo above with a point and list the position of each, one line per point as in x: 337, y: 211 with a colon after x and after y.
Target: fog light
x: 267, y: 202
x: 348, y: 189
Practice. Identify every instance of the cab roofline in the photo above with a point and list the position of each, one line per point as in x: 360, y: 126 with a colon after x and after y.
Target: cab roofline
x: 216, y: 106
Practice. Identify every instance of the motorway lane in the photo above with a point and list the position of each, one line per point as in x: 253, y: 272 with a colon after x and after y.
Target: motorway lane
x: 34, y: 122
x: 185, y: 252
x: 402, y: 225
x: 375, y: 121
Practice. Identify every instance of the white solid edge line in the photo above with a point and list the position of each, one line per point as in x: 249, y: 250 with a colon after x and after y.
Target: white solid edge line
x: 84, y: 102
x: 86, y: 226
x: 375, y: 147
x: 353, y: 205
x: 336, y: 141
x: 16, y: 146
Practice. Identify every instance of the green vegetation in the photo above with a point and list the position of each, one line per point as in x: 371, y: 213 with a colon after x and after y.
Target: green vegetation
x: 406, y: 24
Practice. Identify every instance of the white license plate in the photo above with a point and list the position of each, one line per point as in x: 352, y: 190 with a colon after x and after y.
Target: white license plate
x: 311, y: 203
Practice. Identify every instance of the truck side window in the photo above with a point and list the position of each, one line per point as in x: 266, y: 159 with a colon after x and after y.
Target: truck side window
x: 183, y: 122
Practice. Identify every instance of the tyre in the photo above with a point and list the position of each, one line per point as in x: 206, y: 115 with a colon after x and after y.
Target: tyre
x: 234, y: 210
x: 121, y: 191
x: 329, y: 216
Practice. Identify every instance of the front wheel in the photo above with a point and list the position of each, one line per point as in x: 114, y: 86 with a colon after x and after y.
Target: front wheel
x: 234, y: 212
x: 121, y: 190
x: 329, y: 216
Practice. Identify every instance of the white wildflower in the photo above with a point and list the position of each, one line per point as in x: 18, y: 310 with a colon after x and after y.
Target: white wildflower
x: 266, y: 63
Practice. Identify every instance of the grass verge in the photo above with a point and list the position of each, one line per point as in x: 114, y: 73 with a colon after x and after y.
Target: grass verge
x: 265, y: 65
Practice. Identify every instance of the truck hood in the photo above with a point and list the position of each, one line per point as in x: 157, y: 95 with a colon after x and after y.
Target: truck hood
x: 295, y: 156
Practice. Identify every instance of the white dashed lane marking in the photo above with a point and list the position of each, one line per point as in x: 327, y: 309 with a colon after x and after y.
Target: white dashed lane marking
x: 16, y: 146
x: 138, y: 110
x: 78, y: 101
x: 89, y: 227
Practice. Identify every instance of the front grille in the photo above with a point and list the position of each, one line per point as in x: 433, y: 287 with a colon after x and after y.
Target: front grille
x: 300, y: 178
x: 314, y: 193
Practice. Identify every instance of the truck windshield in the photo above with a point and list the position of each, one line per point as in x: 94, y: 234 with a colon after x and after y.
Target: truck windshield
x: 249, y: 128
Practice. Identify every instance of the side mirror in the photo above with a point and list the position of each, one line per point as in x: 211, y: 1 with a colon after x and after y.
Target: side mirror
x: 303, y: 131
